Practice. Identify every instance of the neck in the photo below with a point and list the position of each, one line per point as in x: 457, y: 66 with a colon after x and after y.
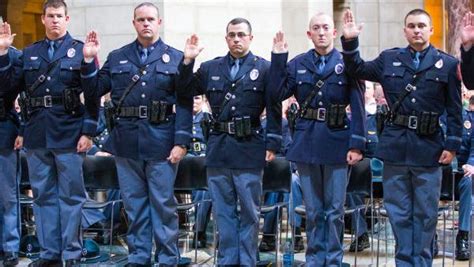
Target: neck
x: 54, y: 37
x: 147, y: 42
x: 324, y: 50
x: 236, y: 56
x: 419, y: 48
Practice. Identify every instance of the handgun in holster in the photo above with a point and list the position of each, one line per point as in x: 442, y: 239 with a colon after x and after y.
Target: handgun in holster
x: 109, y: 114
x: 291, y: 115
x: 381, y: 116
x: 71, y: 100
x: 206, y: 124
x: 24, y: 103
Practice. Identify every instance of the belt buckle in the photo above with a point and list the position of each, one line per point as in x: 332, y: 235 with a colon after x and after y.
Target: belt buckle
x: 412, y: 122
x: 47, y: 101
x: 231, y: 127
x: 143, y: 112
x: 321, y: 114
x: 197, y: 147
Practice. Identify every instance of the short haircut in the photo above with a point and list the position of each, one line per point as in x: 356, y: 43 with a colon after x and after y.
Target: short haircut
x: 54, y: 4
x: 415, y: 12
x: 471, y: 100
x: 148, y: 4
x: 236, y: 21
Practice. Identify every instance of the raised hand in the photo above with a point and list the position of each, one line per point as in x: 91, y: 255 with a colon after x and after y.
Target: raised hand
x: 91, y: 46
x: 279, y: 43
x: 6, y: 37
x: 350, y: 29
x: 467, y: 30
x: 192, y: 48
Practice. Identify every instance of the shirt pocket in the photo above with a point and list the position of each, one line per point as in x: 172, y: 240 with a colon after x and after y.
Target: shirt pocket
x: 164, y: 76
x: 69, y: 71
x: 253, y: 93
x: 31, y: 71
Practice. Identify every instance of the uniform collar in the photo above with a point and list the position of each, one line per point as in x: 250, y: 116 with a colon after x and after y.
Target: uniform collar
x: 241, y: 60
x: 150, y: 48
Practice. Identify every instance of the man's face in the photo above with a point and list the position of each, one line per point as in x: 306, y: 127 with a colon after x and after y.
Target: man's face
x: 418, y: 30
x: 55, y: 22
x: 321, y: 32
x: 238, y: 39
x: 147, y: 23
x: 197, y: 104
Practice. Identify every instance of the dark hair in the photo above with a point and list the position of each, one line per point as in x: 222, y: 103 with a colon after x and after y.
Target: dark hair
x: 148, y: 4
x: 54, y: 4
x: 236, y: 21
x: 471, y: 100
x: 415, y: 12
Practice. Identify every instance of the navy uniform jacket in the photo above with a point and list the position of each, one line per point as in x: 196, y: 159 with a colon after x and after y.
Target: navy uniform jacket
x: 467, y: 67
x: 137, y: 138
x: 9, y: 127
x: 438, y: 91
x: 51, y: 127
x: 465, y: 154
x: 255, y: 85
x: 313, y: 141
x: 372, y: 138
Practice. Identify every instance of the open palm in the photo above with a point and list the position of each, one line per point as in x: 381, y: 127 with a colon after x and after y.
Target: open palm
x: 350, y: 29
x: 192, y: 48
x: 6, y: 36
x: 92, y: 45
x: 467, y: 31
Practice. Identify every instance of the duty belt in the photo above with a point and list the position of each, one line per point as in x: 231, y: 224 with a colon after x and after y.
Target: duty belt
x: 318, y: 114
x: 198, y: 147
x: 140, y: 112
x: 229, y: 127
x: 411, y: 122
x: 46, y: 101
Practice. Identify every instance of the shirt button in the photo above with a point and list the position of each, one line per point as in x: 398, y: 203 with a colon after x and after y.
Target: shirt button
x: 166, y: 72
x: 194, y: 132
x: 393, y: 74
x: 100, y: 146
x: 413, y: 100
x: 320, y: 103
x: 143, y: 95
x: 144, y: 72
x: 213, y: 89
x: 233, y: 85
x: 70, y: 68
x: 48, y: 78
x: 320, y: 93
x: 339, y: 82
x: 255, y: 88
x: 143, y: 83
x: 437, y: 79
x: 232, y: 108
x: 414, y: 76
x: 194, y: 139
x: 194, y: 127
x: 300, y: 82
x: 233, y: 96
x: 47, y: 90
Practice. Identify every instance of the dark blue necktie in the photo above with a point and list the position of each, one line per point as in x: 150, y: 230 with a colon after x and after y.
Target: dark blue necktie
x: 416, y: 60
x: 235, y: 69
x: 321, y: 64
x: 51, y: 49
x: 144, y: 55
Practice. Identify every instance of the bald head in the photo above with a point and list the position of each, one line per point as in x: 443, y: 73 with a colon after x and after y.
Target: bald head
x: 318, y: 17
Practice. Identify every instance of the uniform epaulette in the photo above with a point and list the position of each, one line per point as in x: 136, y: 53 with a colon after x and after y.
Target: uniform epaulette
x: 14, y: 48
x: 444, y: 53
x: 74, y: 42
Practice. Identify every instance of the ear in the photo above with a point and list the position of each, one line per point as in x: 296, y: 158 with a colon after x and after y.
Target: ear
x: 308, y: 34
x: 42, y: 19
x: 67, y: 18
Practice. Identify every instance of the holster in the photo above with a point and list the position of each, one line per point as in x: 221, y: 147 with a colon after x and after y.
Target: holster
x: 291, y: 116
x: 206, y: 124
x: 336, y: 115
x: 71, y: 100
x: 24, y: 103
x: 428, y: 123
x: 109, y: 113
x: 243, y: 126
x: 381, y: 117
x: 3, y: 111
x: 158, y: 111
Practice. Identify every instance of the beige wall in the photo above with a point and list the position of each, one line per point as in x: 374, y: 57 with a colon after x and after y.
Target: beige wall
x: 383, y: 21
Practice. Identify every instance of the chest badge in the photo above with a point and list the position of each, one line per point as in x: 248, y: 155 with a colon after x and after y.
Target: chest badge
x: 254, y: 74
x: 339, y: 68
x: 71, y: 52
x: 439, y: 64
x: 165, y: 58
x: 467, y: 125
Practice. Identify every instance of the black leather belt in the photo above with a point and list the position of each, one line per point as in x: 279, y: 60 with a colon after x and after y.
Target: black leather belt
x: 141, y: 112
x: 318, y: 114
x: 229, y: 127
x: 411, y: 122
x: 198, y: 147
x: 46, y: 101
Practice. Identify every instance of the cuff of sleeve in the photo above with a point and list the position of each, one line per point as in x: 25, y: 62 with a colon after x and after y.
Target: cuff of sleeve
x: 452, y: 144
x: 349, y: 46
x: 466, y: 55
x: 88, y: 69
x: 280, y: 60
x: 273, y: 144
x: 357, y: 143
x: 182, y: 138
x: 89, y: 127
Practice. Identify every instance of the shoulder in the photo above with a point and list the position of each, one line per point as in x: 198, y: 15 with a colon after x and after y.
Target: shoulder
x: 392, y: 52
x: 447, y: 57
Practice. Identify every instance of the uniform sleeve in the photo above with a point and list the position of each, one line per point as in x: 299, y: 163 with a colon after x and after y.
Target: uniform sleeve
x: 453, y: 111
x: 11, y: 72
x: 274, y: 81
x: 184, y: 105
x: 279, y: 76
x: 356, y: 66
x: 357, y: 124
x: 470, y: 159
x: 467, y: 67
x: 96, y: 82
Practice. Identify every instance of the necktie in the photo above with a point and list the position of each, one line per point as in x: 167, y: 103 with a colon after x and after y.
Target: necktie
x: 144, y: 55
x: 321, y: 64
x: 416, y: 60
x: 52, y: 47
x: 234, y: 69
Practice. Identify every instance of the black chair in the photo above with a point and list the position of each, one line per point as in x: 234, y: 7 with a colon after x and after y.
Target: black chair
x: 191, y: 176
x: 277, y: 179
x: 100, y: 174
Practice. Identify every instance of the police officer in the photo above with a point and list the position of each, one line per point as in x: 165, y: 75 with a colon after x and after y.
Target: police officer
x: 57, y: 134
x: 325, y: 142
x: 238, y: 87
x: 9, y: 213
x: 467, y: 54
x: 149, y: 137
x: 420, y: 84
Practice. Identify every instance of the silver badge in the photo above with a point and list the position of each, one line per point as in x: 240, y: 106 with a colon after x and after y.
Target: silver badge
x: 339, y: 68
x: 165, y: 58
x: 254, y: 74
x: 71, y: 52
x: 301, y: 71
x: 34, y: 58
x: 439, y: 64
x: 123, y: 61
x: 397, y: 64
x: 215, y: 78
